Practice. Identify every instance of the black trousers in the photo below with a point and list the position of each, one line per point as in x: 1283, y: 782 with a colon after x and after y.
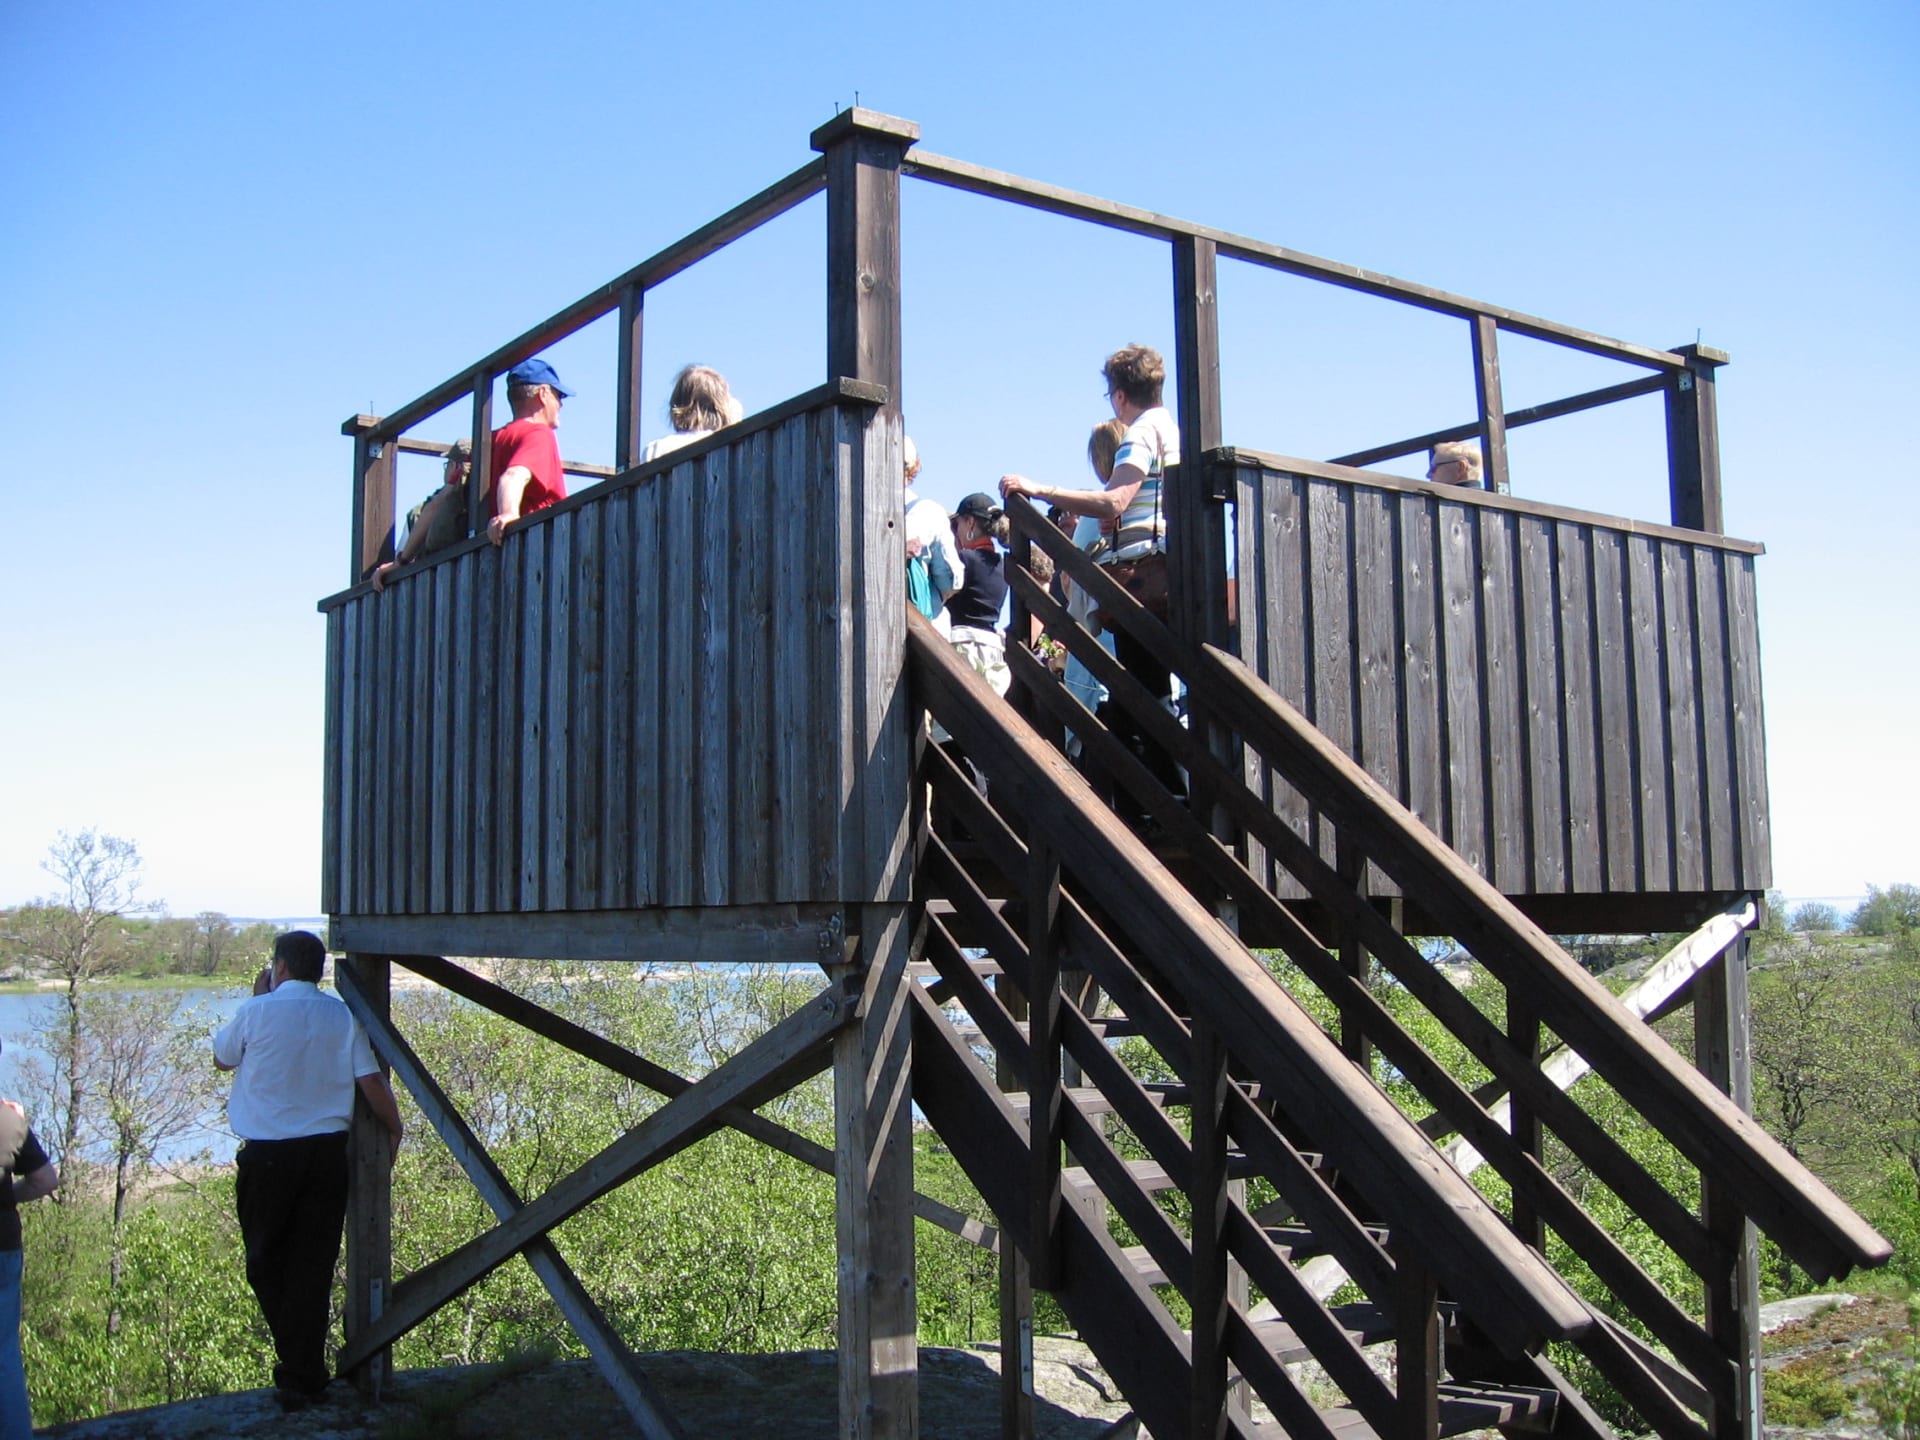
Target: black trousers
x: 1142, y: 665
x: 292, y: 1199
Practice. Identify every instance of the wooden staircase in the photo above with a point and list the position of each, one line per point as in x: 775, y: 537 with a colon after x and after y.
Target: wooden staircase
x: 1197, y: 1203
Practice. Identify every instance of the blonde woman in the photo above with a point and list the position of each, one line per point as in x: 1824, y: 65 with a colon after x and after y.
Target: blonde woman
x: 700, y: 404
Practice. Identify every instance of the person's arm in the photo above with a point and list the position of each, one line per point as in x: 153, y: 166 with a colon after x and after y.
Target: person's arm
x: 417, y: 537
x: 36, y: 1183
x: 506, y: 500
x: 386, y: 1109
x: 1106, y: 505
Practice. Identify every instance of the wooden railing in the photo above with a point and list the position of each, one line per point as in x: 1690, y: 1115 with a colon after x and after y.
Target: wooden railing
x: 1571, y: 701
x: 637, y: 701
x: 1685, y: 374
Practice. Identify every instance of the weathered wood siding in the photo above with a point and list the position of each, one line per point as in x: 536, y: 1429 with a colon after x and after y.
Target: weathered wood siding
x: 1573, y: 704
x: 680, y: 688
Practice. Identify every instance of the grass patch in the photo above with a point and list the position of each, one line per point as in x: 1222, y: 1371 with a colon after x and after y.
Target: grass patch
x: 434, y: 1416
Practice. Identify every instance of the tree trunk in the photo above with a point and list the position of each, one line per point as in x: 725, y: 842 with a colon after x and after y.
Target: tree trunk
x: 70, y: 1139
x: 116, y: 1261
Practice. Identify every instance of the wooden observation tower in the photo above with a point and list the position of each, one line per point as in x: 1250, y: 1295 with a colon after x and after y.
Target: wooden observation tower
x: 1436, y: 711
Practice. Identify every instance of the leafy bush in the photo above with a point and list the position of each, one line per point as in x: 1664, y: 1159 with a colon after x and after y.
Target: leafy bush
x: 1888, y: 911
x: 1815, y: 917
x: 1893, y: 1394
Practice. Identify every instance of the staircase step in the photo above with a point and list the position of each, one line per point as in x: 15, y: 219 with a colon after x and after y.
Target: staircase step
x: 985, y: 966
x: 1151, y: 1176
x: 1297, y: 1242
x: 1090, y: 1098
x: 1145, y: 1266
x: 1463, y: 1407
x: 1101, y: 1025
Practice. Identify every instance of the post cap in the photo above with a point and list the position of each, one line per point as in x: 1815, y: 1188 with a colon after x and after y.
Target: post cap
x: 872, y: 121
x: 359, y: 424
x: 1704, y: 354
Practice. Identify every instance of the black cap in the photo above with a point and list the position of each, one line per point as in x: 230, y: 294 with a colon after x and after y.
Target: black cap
x: 979, y: 505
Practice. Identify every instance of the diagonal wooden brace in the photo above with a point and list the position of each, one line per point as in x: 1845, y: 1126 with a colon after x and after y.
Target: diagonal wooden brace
x: 796, y: 1049
x: 662, y: 1081
x: 616, y: 1362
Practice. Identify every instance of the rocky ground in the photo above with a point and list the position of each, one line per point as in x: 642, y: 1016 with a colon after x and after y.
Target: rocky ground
x: 793, y: 1397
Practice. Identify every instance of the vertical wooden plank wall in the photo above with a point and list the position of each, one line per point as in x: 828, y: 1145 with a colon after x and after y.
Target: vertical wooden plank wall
x: 683, y: 690
x: 1572, y: 706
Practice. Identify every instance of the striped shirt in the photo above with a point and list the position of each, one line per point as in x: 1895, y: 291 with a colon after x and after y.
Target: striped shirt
x: 1151, y: 444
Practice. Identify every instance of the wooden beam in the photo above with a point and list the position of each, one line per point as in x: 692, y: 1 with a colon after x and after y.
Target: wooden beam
x: 480, y: 477
x: 663, y: 1081
x: 728, y: 935
x: 627, y: 421
x: 1693, y: 441
x: 367, y: 979
x: 863, y: 150
x: 873, y: 1141
x: 373, y: 499
x: 1493, y: 414
x: 616, y: 1362
x: 962, y: 175
x: 1723, y: 1044
x: 1042, y: 872
x: 1512, y: 420
x: 789, y: 1053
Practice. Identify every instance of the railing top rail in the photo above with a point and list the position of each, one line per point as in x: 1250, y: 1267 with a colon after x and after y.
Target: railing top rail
x: 838, y: 390
x: 1469, y: 495
x: 961, y: 175
x: 749, y: 215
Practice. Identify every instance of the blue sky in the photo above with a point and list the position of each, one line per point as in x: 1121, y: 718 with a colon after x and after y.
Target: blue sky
x: 228, y: 226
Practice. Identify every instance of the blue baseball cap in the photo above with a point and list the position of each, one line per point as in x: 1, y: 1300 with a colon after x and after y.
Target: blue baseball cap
x: 536, y: 372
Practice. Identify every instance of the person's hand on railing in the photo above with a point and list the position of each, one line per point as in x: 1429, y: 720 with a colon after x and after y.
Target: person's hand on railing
x: 381, y: 572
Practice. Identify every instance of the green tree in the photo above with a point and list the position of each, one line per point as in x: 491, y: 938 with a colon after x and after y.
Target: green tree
x: 1888, y: 911
x: 1816, y: 917
x: 76, y: 933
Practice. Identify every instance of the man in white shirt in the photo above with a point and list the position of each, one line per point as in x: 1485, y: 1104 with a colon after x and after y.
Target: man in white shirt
x: 298, y: 1057
x: 929, y: 536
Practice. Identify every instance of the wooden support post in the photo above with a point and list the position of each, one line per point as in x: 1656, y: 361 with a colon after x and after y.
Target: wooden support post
x: 1043, y: 1062
x: 627, y: 419
x: 863, y: 150
x: 1723, y: 1050
x: 369, y: 1192
x: 1355, y: 958
x: 1016, y: 1277
x: 373, y: 502
x: 1196, y: 524
x: 480, y: 478
x: 1523, y: 1029
x: 1493, y: 414
x: 1210, y: 1269
x: 1417, y: 1359
x: 1693, y: 440
x: 873, y: 1134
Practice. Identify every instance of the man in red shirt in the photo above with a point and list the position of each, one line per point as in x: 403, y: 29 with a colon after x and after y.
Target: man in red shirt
x: 526, y: 474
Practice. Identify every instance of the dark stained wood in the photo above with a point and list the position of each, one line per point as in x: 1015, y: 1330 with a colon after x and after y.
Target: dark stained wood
x: 1278, y: 1043
x: 873, y: 1190
x: 1468, y: 794
x: 1723, y: 1048
x: 1416, y: 1347
x: 1478, y: 499
x: 1717, y: 789
x: 438, y: 727
x: 528, y: 553
x: 754, y: 721
x: 1493, y: 410
x: 1508, y: 763
x: 1749, y: 729
x: 1514, y: 419
x: 333, y: 764
x: 1693, y: 440
x: 1779, y: 1193
x: 619, y: 584
x: 789, y: 1053
x: 1646, y: 656
x: 1574, y: 605
x: 1543, y: 692
x: 715, y: 558
x: 616, y: 1362
x: 1329, y: 621
x: 588, y: 653
x: 652, y: 591
x: 627, y: 420
x: 735, y: 935
x: 1045, y: 1028
x: 1422, y: 733
x: 414, y: 840
x: 1208, y: 1195
x: 373, y: 498
x: 511, y: 729
x: 369, y: 1230
x: 1684, y: 761
x: 480, y: 489
x: 1619, y: 770
x: 1379, y: 652
x: 863, y: 153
